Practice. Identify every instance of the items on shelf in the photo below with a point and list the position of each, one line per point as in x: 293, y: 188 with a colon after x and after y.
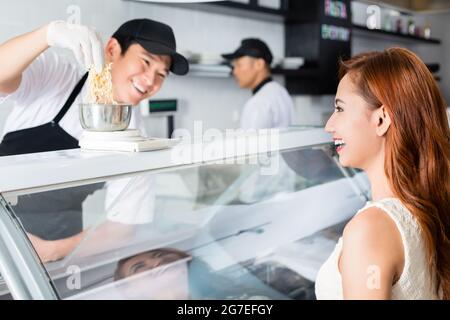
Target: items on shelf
x: 271, y: 4
x: 291, y: 63
x: 411, y: 28
x: 427, y: 30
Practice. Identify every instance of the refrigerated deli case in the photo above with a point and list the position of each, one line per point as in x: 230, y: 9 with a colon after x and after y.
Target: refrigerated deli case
x: 205, y: 219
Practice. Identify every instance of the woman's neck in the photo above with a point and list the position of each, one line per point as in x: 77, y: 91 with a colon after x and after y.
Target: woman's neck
x: 378, y: 181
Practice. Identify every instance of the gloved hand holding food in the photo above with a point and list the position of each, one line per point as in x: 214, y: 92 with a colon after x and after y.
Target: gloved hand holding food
x: 84, y: 42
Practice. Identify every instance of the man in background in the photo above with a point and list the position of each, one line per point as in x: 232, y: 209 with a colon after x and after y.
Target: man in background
x: 270, y: 105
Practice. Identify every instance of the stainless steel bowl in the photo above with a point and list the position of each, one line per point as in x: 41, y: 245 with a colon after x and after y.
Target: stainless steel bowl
x: 105, y: 117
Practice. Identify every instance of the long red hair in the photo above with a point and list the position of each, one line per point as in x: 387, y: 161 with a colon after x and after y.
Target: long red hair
x: 417, y: 161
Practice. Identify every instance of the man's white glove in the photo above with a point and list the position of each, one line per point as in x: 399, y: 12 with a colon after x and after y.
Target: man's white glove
x: 84, y: 42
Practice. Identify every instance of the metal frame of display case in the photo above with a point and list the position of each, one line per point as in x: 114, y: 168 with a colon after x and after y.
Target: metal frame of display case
x: 19, y: 264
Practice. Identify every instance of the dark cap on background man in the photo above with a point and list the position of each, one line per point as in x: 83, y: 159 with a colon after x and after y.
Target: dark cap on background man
x: 156, y: 38
x: 251, y: 47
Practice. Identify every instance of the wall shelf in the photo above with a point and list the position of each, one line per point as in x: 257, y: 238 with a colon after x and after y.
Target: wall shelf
x: 379, y: 32
x: 248, y: 11
x: 224, y: 71
x: 251, y: 7
x: 433, y: 67
x: 208, y: 70
x: 302, y: 72
x: 251, y: 10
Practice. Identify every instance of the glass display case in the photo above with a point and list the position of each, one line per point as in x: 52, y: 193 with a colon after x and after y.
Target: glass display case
x: 255, y: 223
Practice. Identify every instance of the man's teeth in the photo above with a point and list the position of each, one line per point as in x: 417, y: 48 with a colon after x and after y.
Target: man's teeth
x: 138, y: 88
x: 338, y: 143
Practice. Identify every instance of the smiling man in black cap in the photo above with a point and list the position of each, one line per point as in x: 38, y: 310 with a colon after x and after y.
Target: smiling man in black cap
x: 270, y: 106
x: 46, y: 88
x: 142, y: 52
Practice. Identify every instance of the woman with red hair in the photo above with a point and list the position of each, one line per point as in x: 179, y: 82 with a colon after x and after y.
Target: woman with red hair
x: 390, y: 120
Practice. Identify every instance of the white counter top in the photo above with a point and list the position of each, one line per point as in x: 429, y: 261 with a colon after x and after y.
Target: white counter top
x: 19, y: 174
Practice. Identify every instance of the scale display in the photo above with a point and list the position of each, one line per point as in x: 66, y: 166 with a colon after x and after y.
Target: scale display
x: 162, y: 106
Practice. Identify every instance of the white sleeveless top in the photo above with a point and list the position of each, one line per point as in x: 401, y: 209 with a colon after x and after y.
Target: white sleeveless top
x: 415, y: 281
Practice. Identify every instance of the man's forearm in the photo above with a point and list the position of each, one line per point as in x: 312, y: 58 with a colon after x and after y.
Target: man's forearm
x: 65, y: 246
x: 17, y: 54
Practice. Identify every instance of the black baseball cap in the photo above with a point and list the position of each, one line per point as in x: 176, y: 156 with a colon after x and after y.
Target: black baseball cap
x: 156, y: 38
x: 252, y: 47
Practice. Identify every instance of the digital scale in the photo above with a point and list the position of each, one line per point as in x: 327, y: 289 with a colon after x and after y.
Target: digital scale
x: 128, y: 140
x: 131, y: 140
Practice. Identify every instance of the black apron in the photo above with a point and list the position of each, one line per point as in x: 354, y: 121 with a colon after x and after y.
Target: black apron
x: 52, y: 214
x: 46, y: 137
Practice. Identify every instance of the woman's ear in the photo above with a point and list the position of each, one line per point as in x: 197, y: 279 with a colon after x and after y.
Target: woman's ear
x: 112, y: 50
x: 383, y: 120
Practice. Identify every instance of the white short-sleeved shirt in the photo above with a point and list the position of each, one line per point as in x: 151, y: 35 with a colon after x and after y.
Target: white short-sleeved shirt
x: 46, y: 84
x: 270, y: 107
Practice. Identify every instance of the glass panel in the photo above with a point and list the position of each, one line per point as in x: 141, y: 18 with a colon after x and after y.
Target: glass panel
x: 4, y: 290
x: 253, y: 229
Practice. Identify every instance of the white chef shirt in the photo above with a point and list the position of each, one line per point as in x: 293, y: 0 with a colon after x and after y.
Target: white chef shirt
x: 46, y: 84
x: 270, y: 107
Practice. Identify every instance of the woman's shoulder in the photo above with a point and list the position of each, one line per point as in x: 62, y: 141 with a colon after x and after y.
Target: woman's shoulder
x: 372, y: 223
x: 373, y: 235
x: 390, y: 211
